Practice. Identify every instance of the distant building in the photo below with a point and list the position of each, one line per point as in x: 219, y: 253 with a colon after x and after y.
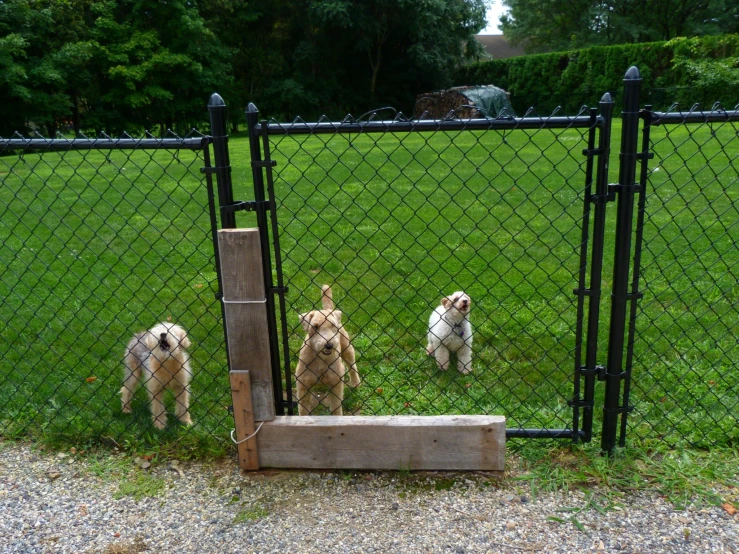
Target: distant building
x: 498, y: 48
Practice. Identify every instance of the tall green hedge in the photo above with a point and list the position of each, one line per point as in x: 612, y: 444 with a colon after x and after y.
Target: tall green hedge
x: 700, y: 69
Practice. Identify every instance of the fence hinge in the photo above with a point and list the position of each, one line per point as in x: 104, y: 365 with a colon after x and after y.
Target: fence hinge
x: 213, y: 170
x: 580, y: 403
x: 587, y: 292
x: 247, y: 206
x: 612, y: 376
x: 602, y: 198
x: 278, y: 290
x: 634, y: 296
x: 599, y: 371
x: 592, y: 151
x: 617, y: 187
x: 644, y: 155
x: 288, y: 404
x: 620, y: 410
x: 263, y: 163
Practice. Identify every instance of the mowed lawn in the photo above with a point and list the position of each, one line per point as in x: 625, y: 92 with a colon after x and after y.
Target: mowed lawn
x: 94, y: 248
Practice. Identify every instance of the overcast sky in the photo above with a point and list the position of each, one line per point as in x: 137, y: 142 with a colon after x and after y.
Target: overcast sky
x: 494, y: 12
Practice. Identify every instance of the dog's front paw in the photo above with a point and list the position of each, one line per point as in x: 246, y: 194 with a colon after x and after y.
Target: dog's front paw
x: 160, y: 423
x: 186, y: 420
x: 354, y: 379
x: 126, y: 409
x: 464, y: 369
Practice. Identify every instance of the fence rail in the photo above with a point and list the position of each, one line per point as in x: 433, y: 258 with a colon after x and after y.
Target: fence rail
x: 64, y: 144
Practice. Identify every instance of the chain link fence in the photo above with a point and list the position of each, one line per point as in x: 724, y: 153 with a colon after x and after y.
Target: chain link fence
x: 103, y: 238
x: 685, y: 384
x: 100, y: 239
x: 396, y: 217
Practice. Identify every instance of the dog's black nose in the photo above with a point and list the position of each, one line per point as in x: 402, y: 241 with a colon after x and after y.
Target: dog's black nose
x: 329, y: 346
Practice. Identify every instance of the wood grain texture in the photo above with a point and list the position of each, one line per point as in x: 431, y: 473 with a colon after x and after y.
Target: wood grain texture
x: 384, y: 442
x: 244, y: 419
x: 246, y: 324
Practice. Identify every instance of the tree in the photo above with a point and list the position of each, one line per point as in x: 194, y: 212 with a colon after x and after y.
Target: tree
x: 547, y: 25
x: 118, y: 65
x: 360, y: 54
x: 157, y: 64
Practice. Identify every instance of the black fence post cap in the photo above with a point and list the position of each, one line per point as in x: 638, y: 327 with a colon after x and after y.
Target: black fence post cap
x: 251, y: 108
x: 216, y: 101
x: 632, y: 74
x: 606, y: 98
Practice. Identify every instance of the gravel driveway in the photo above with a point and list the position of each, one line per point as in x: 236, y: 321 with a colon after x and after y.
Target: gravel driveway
x: 51, y: 502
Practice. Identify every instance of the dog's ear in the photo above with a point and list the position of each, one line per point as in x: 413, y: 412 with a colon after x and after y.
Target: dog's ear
x: 184, y: 341
x: 336, y: 316
x: 446, y: 302
x: 305, y: 321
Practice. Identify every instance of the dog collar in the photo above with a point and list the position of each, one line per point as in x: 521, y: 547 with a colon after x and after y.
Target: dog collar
x: 459, y: 329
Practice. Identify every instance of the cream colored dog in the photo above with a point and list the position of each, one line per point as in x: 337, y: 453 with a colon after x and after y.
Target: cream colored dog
x: 321, y: 360
x: 160, y: 354
x: 450, y: 331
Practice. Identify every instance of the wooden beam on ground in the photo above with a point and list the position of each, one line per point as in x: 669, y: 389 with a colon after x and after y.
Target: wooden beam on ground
x: 244, y: 420
x: 246, y: 314
x: 384, y: 442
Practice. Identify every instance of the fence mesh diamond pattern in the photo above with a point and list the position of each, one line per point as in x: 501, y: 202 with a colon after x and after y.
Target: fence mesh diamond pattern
x: 95, y: 246
x: 685, y: 378
x: 394, y: 221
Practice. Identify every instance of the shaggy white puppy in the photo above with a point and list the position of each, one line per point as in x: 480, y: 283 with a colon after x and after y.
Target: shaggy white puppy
x: 450, y: 331
x: 158, y: 357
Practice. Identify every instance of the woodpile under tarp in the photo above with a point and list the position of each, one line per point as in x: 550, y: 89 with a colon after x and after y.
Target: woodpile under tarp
x: 463, y: 103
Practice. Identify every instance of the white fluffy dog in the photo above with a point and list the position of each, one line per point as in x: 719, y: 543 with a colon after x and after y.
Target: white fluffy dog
x: 450, y: 331
x: 160, y: 354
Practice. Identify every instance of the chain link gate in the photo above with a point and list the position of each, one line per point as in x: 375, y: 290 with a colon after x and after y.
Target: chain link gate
x: 589, y: 126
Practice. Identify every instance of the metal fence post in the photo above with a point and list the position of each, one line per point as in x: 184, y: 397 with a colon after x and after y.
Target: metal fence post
x: 217, y: 109
x: 626, y: 189
x: 596, y: 265
x: 262, y: 204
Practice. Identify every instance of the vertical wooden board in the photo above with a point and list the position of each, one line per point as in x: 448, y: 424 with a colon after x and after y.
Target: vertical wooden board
x: 246, y: 314
x: 384, y: 442
x: 244, y: 420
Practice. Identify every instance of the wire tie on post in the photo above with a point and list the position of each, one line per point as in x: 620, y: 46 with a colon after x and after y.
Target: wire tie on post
x: 247, y: 438
x: 243, y: 301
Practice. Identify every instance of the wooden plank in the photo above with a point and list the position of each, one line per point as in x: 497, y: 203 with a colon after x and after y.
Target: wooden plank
x: 246, y: 314
x: 384, y: 442
x: 244, y: 420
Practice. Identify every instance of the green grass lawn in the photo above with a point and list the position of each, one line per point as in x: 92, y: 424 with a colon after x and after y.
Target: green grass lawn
x: 95, y: 248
